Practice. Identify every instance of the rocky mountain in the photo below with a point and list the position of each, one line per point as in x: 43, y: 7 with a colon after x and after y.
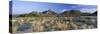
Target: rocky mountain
x: 71, y: 13
x: 64, y: 13
x: 51, y: 12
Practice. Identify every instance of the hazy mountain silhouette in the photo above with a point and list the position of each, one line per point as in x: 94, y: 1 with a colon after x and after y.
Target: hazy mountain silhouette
x: 64, y: 13
x: 93, y: 14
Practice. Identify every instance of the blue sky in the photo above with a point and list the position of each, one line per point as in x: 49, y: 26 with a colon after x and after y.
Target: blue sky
x: 20, y: 7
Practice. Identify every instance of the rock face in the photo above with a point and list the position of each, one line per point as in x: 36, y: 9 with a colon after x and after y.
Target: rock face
x: 41, y: 24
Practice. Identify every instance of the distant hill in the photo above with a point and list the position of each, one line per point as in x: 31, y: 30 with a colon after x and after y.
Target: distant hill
x: 71, y: 13
x: 49, y: 13
x: 89, y: 14
x: 85, y: 14
x: 93, y: 14
x: 53, y: 13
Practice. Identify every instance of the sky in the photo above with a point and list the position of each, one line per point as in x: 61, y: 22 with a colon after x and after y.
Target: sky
x: 20, y: 7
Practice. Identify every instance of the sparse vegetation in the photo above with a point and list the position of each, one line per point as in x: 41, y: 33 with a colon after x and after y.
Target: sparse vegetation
x: 40, y: 24
x: 50, y: 21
